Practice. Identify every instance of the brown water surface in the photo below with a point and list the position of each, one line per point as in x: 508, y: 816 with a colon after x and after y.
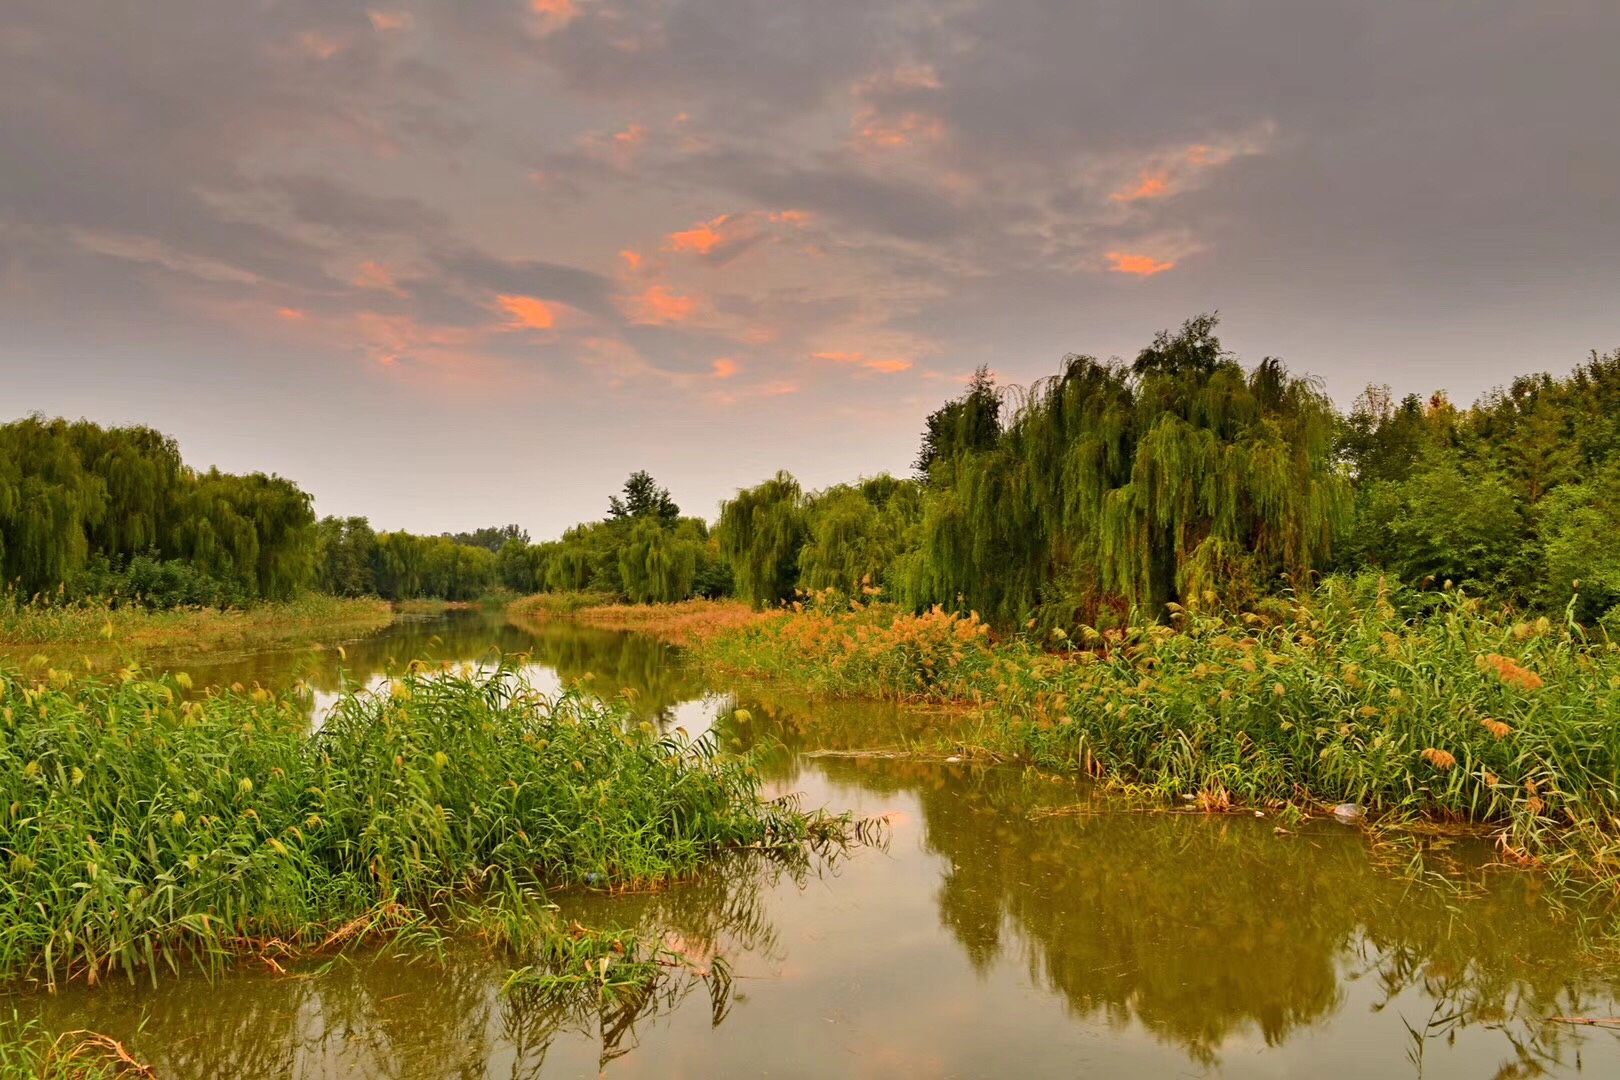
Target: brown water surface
x: 1015, y: 924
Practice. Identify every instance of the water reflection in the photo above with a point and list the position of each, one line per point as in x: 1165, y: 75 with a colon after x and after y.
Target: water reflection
x: 1016, y: 925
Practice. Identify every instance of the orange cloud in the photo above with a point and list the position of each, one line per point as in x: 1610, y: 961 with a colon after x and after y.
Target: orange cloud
x: 291, y: 314
x: 374, y: 276
x: 855, y: 359
x: 873, y: 129
x: 1150, y: 185
x: 792, y: 217
x: 1140, y: 265
x: 725, y: 368
x: 319, y: 46
x: 777, y: 389
x: 659, y: 305
x: 891, y: 110
x: 383, y: 21
x: 388, y: 339
x: 554, y: 14
x: 634, y: 135
x: 632, y: 259
x: 527, y: 313
x: 700, y: 239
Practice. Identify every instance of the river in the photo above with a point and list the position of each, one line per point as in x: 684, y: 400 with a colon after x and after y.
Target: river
x: 1013, y: 924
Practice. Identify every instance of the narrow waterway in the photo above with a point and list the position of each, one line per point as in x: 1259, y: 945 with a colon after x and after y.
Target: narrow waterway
x: 1014, y: 924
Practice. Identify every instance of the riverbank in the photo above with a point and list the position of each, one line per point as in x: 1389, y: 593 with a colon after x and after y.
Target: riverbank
x: 178, y: 832
x: 689, y: 622
x: 1459, y: 714
x: 132, y: 630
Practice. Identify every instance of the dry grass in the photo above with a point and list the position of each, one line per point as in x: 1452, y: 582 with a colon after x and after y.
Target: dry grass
x: 689, y: 622
x: 126, y: 630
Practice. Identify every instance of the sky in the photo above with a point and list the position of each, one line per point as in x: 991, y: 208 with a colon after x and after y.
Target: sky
x: 450, y: 264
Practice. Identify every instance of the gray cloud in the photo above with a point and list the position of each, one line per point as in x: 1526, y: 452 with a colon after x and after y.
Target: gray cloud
x: 1421, y: 193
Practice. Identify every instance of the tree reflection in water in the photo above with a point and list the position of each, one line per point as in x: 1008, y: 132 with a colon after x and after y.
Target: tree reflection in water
x: 1206, y: 932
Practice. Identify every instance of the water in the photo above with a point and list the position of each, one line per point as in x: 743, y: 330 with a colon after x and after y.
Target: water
x: 1014, y: 924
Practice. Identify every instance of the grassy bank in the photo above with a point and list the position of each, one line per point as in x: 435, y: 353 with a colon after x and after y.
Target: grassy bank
x: 142, y: 832
x: 1402, y: 704
x: 687, y: 622
x: 132, y: 629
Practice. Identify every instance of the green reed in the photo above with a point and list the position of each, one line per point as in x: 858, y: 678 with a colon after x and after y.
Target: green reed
x: 1430, y: 705
x: 140, y: 830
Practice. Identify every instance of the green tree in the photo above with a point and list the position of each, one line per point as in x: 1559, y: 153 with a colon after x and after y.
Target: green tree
x: 643, y: 498
x: 760, y: 534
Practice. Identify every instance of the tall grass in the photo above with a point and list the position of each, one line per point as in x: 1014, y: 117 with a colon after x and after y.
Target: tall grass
x: 683, y: 622
x: 1351, y: 693
x: 141, y: 831
x: 31, y: 621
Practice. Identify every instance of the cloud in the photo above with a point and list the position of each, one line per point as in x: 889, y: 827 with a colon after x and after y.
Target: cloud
x: 886, y: 365
x: 384, y: 21
x: 553, y: 14
x: 658, y: 304
x: 578, y: 288
x: 896, y: 108
x: 1139, y: 265
x: 1149, y: 185
x: 1175, y: 170
x: 373, y: 275
x: 318, y: 45
x: 526, y: 312
x: 700, y: 239
x: 724, y: 368
x: 719, y: 240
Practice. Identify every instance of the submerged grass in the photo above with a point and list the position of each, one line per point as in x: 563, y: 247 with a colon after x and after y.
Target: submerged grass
x: 131, y: 628
x: 141, y: 831
x: 29, y: 1052
x: 1460, y: 714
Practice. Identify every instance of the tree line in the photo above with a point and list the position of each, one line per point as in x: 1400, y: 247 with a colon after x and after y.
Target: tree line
x: 1178, y: 477
x: 87, y: 508
x: 1183, y: 477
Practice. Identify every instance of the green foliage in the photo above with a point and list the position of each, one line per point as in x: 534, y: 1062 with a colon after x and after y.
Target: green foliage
x: 346, y: 556
x: 971, y: 422
x: 855, y: 532
x: 643, y: 498
x: 73, y: 492
x: 146, y: 831
x: 644, y: 551
x: 1578, y: 526
x: 657, y: 564
x: 408, y: 567
x: 515, y: 565
x: 493, y: 537
x: 1404, y: 702
x: 1445, y: 522
x: 151, y: 583
x: 1515, y: 494
x: 1180, y: 477
x: 760, y: 533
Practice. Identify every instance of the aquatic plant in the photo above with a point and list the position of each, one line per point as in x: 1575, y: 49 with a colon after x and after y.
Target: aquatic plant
x: 140, y: 829
x: 1430, y: 704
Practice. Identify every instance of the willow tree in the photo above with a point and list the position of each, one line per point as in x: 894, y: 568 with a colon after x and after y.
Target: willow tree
x: 855, y: 532
x: 760, y: 534
x: 657, y: 563
x: 72, y: 492
x: 48, y: 504
x: 1174, y: 478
